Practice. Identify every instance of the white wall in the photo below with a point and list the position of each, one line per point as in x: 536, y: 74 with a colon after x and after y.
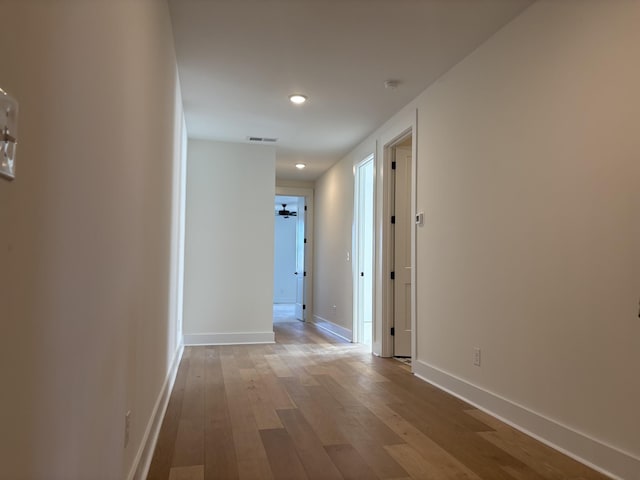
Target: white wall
x: 284, y: 280
x: 86, y: 234
x: 294, y: 184
x: 528, y: 169
x: 332, y: 287
x: 228, y: 294
x: 532, y: 219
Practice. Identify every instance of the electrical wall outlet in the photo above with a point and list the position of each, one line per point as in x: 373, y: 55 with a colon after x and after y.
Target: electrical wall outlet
x: 127, y: 428
x: 476, y: 356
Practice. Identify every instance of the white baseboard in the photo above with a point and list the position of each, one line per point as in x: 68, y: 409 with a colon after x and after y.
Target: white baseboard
x: 142, y: 461
x: 331, y: 327
x: 589, y: 451
x: 194, y: 339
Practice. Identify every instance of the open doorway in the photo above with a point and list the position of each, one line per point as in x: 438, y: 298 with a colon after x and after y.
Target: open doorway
x: 363, y: 248
x: 395, y: 214
x: 289, y: 252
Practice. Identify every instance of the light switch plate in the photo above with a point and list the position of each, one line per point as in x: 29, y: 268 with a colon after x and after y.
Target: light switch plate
x: 8, y: 134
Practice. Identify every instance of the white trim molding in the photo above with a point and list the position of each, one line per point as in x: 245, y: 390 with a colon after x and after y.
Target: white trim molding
x: 142, y: 461
x: 245, y: 338
x: 404, y: 123
x: 337, y: 330
x: 596, y: 454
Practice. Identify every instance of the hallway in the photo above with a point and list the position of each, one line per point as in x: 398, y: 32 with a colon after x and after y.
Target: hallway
x: 284, y: 312
x: 313, y: 406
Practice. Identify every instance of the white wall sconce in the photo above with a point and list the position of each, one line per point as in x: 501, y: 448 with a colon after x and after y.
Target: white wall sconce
x: 8, y: 135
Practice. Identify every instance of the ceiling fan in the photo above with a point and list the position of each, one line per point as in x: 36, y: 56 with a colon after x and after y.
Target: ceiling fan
x: 285, y: 213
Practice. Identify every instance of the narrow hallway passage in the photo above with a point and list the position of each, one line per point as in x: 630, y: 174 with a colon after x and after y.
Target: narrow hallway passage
x: 313, y: 406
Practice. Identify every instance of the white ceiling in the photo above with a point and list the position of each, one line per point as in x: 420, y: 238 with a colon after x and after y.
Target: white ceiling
x: 239, y: 60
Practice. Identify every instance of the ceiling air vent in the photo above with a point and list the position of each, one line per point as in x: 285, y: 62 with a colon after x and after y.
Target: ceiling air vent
x: 262, y: 139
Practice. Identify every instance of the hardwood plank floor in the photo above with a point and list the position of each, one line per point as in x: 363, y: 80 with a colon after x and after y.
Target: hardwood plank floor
x: 313, y: 406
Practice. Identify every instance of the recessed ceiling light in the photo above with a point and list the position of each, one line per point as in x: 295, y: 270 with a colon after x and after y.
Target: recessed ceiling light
x: 300, y: 166
x: 297, y: 98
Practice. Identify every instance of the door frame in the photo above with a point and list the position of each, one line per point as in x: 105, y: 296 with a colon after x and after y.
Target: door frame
x: 403, y: 125
x: 358, y: 334
x: 307, y: 193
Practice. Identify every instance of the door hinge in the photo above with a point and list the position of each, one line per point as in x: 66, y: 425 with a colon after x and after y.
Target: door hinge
x: 393, y: 165
x: 393, y: 275
x: 305, y: 240
x: 304, y: 307
x: 393, y: 331
x: 304, y: 274
x: 393, y: 219
x: 305, y: 208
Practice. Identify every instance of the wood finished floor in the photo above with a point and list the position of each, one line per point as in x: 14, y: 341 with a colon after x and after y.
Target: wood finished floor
x: 312, y: 406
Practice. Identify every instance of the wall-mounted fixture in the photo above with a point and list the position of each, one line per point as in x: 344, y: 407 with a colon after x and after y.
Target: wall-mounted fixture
x: 8, y: 135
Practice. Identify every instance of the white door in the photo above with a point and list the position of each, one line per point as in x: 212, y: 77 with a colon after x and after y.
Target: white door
x: 364, y: 214
x: 402, y: 254
x: 300, y: 273
x: 284, y: 265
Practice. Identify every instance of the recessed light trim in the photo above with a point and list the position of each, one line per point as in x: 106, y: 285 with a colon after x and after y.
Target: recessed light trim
x: 298, y: 98
x: 300, y: 166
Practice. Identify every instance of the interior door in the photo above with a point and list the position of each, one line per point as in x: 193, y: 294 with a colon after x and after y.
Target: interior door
x: 402, y: 253
x: 300, y: 272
